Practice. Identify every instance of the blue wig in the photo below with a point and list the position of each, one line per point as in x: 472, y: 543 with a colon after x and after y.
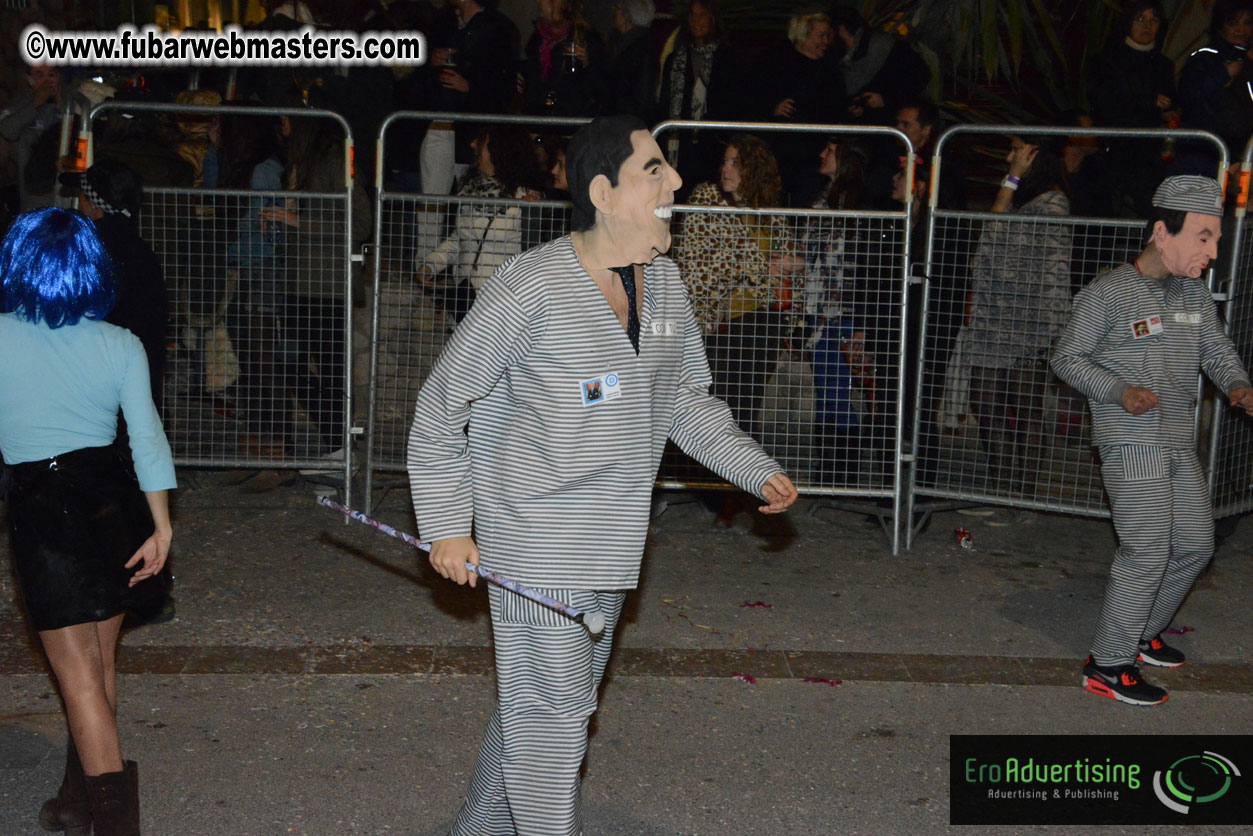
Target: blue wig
x: 54, y: 268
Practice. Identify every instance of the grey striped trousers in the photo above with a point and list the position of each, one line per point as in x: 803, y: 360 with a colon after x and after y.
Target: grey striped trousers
x: 1165, y: 524
x: 548, y: 670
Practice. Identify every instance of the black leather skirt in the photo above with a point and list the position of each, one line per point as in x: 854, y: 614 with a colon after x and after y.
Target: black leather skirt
x: 74, y: 522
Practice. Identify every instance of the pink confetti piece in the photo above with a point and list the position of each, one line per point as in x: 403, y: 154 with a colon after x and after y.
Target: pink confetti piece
x: 1179, y: 631
x: 756, y: 605
x: 824, y: 681
x: 743, y: 677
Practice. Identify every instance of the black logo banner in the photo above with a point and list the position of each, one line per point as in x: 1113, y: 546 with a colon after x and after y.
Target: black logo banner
x: 1101, y: 779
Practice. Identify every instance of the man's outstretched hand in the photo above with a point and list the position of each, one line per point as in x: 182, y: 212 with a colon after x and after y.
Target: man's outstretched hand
x: 1242, y: 398
x: 779, y: 492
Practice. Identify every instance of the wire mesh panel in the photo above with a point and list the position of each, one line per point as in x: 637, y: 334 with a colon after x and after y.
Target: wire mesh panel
x: 801, y: 315
x: 256, y: 360
x: 1232, y: 462
x: 257, y: 279
x: 433, y: 250
x: 994, y: 423
x: 424, y: 291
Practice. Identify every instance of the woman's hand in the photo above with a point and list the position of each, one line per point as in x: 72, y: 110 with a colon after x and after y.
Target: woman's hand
x: 785, y: 108
x: 425, y: 276
x: 454, y: 80
x: 151, y: 555
x: 1020, y: 160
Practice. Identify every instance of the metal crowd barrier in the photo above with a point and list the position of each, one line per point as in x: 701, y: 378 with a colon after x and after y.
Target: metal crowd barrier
x: 1230, y: 456
x: 803, y: 312
x: 818, y: 378
x: 257, y: 372
x: 991, y: 424
x: 412, y: 318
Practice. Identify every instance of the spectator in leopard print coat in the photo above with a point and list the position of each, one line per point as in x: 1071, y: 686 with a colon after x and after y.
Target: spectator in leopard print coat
x: 738, y: 268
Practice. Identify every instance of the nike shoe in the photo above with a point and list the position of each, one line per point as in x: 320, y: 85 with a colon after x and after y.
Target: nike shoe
x: 1122, y: 683
x: 1157, y: 652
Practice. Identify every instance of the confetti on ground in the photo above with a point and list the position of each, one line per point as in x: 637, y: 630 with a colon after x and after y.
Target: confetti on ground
x: 743, y: 677
x: 680, y: 604
x: 1179, y: 631
x: 831, y: 682
x: 756, y: 605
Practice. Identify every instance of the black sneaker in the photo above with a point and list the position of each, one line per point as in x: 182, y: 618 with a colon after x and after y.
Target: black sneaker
x: 1157, y: 652
x: 1121, y: 683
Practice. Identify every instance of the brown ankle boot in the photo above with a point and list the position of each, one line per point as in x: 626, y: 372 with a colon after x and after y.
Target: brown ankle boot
x: 69, y: 811
x: 114, y: 800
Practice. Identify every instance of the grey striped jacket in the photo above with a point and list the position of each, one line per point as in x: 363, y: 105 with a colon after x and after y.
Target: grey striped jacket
x: 559, y: 492
x: 1131, y: 330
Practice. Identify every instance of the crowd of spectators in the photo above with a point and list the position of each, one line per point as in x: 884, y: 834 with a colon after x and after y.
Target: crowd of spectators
x: 762, y: 284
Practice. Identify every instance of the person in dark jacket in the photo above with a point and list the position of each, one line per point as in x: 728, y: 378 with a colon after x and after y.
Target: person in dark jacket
x: 698, y: 81
x: 633, y: 67
x: 1214, y: 88
x: 880, y: 72
x: 110, y: 194
x: 564, y: 71
x: 472, y: 72
x: 799, y: 85
x: 1132, y: 85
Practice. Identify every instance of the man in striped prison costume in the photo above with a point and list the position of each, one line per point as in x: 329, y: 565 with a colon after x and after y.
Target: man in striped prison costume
x: 1136, y: 339
x: 571, y: 382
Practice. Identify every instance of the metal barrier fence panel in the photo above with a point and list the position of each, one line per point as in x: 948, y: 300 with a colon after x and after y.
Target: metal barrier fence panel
x: 992, y: 423
x: 431, y: 253
x: 809, y: 347
x: 802, y: 319
x: 802, y: 312
x: 419, y: 308
x: 1231, y: 454
x: 255, y: 369
x: 259, y: 283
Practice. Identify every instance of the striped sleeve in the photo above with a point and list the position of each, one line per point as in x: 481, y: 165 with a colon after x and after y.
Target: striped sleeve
x: 492, y: 337
x: 703, y: 426
x: 1078, y: 344
x: 1219, y: 358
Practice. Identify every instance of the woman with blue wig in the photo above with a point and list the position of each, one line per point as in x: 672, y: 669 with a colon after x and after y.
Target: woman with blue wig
x: 87, y: 534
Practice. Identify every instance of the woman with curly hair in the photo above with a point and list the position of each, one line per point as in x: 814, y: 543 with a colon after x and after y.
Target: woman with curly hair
x: 738, y: 268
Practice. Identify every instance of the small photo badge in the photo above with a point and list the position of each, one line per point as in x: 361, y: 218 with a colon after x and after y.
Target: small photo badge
x: 1146, y: 327
x: 600, y: 389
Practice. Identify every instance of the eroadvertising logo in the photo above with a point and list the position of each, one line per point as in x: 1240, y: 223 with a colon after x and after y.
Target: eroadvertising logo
x: 1210, y: 773
x: 1100, y: 779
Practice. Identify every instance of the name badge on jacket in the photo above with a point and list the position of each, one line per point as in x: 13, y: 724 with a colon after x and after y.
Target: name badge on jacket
x: 597, y: 390
x: 1189, y: 318
x: 1146, y: 327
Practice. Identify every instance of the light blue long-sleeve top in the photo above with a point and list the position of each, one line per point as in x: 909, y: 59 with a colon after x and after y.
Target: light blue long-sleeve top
x: 60, y: 389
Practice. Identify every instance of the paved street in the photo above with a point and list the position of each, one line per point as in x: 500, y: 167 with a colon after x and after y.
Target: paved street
x: 783, y: 677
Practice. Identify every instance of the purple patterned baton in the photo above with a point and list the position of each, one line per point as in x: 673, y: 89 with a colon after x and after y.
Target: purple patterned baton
x: 593, y: 621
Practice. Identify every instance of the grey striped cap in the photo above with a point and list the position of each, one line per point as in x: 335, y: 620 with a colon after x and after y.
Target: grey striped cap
x: 1190, y: 193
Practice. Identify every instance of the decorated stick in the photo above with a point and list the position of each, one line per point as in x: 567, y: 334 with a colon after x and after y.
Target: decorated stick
x: 593, y: 621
